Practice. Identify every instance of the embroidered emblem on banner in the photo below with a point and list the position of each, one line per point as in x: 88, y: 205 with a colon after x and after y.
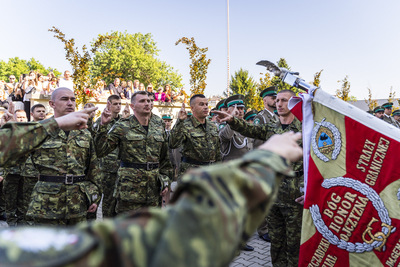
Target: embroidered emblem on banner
x: 371, y: 239
x: 326, y: 141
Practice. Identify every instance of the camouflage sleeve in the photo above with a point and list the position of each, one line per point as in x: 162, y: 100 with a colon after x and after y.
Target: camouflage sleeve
x: 106, y: 141
x: 226, y: 133
x: 177, y: 134
x: 94, y: 175
x: 213, y: 210
x: 262, y: 132
x: 18, y: 139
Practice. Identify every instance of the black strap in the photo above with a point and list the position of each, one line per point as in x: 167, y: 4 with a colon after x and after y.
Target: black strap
x: 146, y: 166
x: 65, y: 179
x: 196, y: 162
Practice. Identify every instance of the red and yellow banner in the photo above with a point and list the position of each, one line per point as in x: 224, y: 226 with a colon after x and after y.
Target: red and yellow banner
x: 352, y: 207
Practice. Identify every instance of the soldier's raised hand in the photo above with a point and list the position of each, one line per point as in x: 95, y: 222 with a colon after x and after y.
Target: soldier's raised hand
x: 223, y: 116
x: 233, y: 111
x: 75, y: 120
x: 284, y: 145
x: 106, y: 114
x: 126, y: 112
x: 182, y: 115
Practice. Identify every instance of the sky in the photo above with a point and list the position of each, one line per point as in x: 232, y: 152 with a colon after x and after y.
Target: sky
x: 359, y: 39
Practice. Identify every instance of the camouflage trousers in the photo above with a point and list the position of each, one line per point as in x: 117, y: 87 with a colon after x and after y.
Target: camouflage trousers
x: 109, y: 201
x: 14, y: 199
x: 263, y: 228
x: 29, y: 184
x: 284, y: 224
x: 127, y: 206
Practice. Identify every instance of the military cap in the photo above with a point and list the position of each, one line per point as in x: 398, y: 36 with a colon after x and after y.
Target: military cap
x: 189, y: 113
x: 166, y: 117
x: 270, y: 91
x: 388, y: 105
x: 250, y: 115
x: 235, y: 100
x: 220, y: 104
x: 396, y: 112
x: 378, y: 109
x: 212, y: 111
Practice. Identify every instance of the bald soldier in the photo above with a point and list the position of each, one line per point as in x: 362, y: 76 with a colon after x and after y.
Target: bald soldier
x: 69, y: 182
x: 235, y: 196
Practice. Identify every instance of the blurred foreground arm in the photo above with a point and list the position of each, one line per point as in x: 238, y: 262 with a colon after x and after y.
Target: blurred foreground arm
x: 213, y: 210
x: 17, y: 139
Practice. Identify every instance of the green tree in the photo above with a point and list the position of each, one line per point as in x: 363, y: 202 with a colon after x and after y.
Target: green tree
x: 133, y: 56
x: 16, y: 66
x: 344, y: 91
x: 243, y: 83
x: 80, y: 64
x: 199, y: 65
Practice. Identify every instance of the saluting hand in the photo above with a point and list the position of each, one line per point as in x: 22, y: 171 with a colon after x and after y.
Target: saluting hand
x: 182, y: 115
x: 126, y: 112
x: 106, y: 114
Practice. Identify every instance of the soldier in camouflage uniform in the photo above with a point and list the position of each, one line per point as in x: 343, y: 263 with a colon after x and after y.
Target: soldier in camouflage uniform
x: 235, y: 196
x: 29, y: 172
x: 69, y: 183
x: 143, y: 176
x: 13, y: 185
x: 19, y: 139
x: 386, y: 115
x: 266, y: 115
x: 2, y: 201
x: 109, y: 164
x: 284, y: 220
x: 197, y: 136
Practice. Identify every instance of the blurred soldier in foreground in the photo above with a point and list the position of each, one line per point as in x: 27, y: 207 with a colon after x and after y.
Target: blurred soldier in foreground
x: 284, y: 220
x: 214, y: 209
x: 197, y: 136
x: 143, y: 176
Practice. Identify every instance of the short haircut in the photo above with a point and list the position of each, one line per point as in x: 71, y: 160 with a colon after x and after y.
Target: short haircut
x: 37, y: 106
x: 113, y: 97
x: 57, y: 91
x: 287, y: 91
x: 133, y: 98
x: 194, y: 97
x: 19, y: 110
x: 151, y: 94
x: 88, y: 105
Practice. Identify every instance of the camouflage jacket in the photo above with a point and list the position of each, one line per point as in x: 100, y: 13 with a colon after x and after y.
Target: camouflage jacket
x: 18, y: 139
x: 233, y: 144
x: 58, y: 156
x: 290, y: 188
x: 109, y: 163
x: 234, y: 196
x: 263, y: 117
x: 28, y: 169
x: 137, y: 146
x: 199, y: 142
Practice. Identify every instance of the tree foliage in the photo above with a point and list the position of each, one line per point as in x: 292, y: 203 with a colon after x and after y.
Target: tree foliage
x: 133, y: 56
x: 242, y: 83
x: 80, y: 63
x: 344, y: 91
x: 199, y: 65
x: 372, y: 103
x: 317, y: 77
x: 16, y: 66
